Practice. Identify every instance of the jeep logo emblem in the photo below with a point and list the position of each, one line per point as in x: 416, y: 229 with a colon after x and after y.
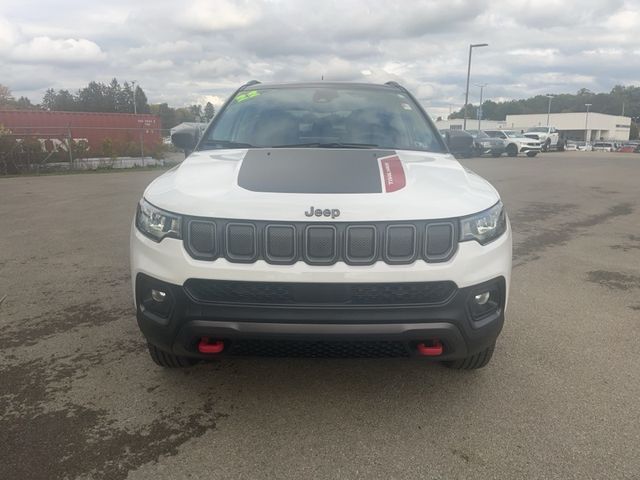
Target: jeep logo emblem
x: 318, y: 212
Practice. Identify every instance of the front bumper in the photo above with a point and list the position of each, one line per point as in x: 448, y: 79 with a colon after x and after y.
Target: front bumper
x: 179, y: 327
x: 530, y: 148
x: 167, y: 267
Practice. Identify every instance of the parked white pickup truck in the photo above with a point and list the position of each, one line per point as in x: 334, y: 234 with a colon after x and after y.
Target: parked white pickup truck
x: 549, y: 138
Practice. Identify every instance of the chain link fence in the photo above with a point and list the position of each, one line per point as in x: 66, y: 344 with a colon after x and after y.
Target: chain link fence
x: 25, y: 150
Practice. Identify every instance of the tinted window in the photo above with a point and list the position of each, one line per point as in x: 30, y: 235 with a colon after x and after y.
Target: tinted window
x: 496, y: 134
x: 288, y: 116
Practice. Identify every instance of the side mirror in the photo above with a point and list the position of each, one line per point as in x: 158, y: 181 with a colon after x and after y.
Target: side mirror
x: 186, y: 138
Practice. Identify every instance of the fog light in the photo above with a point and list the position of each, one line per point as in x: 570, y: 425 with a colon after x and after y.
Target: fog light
x: 160, y: 296
x: 485, y: 303
x: 482, y: 298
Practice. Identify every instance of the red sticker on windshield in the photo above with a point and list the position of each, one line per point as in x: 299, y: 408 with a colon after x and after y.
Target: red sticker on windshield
x: 393, y: 177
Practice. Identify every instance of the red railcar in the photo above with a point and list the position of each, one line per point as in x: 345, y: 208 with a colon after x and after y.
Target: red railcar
x: 92, y: 127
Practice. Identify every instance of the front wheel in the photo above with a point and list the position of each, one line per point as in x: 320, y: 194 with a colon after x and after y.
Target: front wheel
x: 512, y: 150
x: 473, y: 362
x: 531, y: 154
x: 547, y: 146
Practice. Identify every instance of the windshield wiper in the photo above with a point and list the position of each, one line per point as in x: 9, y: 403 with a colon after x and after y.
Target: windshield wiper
x: 328, y: 145
x: 227, y: 144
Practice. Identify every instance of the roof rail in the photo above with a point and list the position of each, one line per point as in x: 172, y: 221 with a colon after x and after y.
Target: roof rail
x: 250, y: 83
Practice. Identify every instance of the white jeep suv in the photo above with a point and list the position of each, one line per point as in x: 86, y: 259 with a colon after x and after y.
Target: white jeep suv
x: 320, y: 219
x: 516, y: 142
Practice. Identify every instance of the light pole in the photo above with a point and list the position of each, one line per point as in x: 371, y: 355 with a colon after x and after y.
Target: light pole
x: 586, y: 123
x: 466, y: 95
x: 549, y: 96
x: 481, y: 85
x: 133, y: 87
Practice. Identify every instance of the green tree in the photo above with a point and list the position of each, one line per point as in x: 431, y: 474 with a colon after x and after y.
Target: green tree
x: 142, y: 106
x: 196, y: 113
x: 124, y: 100
x: 209, y: 111
x: 6, y: 98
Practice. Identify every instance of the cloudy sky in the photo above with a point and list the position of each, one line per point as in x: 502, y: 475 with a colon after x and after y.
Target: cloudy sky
x: 189, y: 51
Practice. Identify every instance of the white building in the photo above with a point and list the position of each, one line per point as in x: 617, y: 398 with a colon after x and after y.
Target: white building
x: 572, y: 126
x: 576, y: 125
x: 472, y: 124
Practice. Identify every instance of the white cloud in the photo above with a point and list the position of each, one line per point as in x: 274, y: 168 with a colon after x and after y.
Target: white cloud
x: 152, y: 65
x: 215, y: 100
x: 46, y: 50
x: 8, y: 35
x: 204, y: 49
x: 218, y: 15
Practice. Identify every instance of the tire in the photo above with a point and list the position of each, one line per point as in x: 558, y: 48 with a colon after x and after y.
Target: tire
x: 512, y: 150
x: 561, y: 145
x: 168, y: 360
x: 547, y: 146
x: 472, y: 362
x: 531, y: 154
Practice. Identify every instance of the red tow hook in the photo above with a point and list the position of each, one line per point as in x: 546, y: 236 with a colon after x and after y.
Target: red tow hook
x: 210, y: 347
x: 432, y: 350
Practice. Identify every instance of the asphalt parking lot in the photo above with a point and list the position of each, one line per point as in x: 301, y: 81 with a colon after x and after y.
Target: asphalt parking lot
x: 80, y: 398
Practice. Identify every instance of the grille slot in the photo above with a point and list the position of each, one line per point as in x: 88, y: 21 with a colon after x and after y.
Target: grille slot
x: 280, y: 243
x: 320, y: 294
x: 321, y: 243
x: 401, y: 243
x: 439, y: 241
x: 361, y: 244
x: 322, y: 349
x: 241, y: 242
x: 202, y: 239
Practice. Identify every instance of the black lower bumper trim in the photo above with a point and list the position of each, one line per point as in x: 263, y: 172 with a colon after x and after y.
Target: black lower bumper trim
x: 282, y: 329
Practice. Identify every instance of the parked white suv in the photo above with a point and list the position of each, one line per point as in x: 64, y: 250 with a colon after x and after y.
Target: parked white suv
x: 320, y: 219
x: 516, y: 142
x: 548, y: 137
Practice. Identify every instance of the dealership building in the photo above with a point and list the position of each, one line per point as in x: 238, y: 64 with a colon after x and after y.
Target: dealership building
x: 572, y: 126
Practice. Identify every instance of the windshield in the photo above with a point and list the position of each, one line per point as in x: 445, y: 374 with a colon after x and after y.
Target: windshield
x: 496, y: 133
x: 538, y: 129
x: 306, y: 116
x: 477, y: 134
x: 511, y: 133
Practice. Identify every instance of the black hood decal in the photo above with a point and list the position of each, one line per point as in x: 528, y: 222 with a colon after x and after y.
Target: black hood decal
x: 310, y: 170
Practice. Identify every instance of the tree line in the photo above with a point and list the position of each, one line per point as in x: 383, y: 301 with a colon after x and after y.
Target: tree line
x: 109, y: 98
x: 620, y: 99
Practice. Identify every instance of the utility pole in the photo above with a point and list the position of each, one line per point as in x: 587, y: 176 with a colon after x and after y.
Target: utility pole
x: 586, y: 123
x: 549, y: 96
x: 133, y: 87
x: 466, y: 95
x: 481, y: 85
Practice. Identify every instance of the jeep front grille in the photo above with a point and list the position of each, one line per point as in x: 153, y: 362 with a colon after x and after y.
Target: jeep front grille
x: 320, y: 243
x: 319, y: 294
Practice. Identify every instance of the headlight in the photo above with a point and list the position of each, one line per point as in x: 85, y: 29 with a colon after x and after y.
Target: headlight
x: 484, y: 227
x: 157, y: 224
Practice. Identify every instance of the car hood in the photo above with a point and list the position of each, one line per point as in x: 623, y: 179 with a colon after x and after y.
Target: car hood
x: 536, y: 135
x: 523, y: 139
x: 286, y: 184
